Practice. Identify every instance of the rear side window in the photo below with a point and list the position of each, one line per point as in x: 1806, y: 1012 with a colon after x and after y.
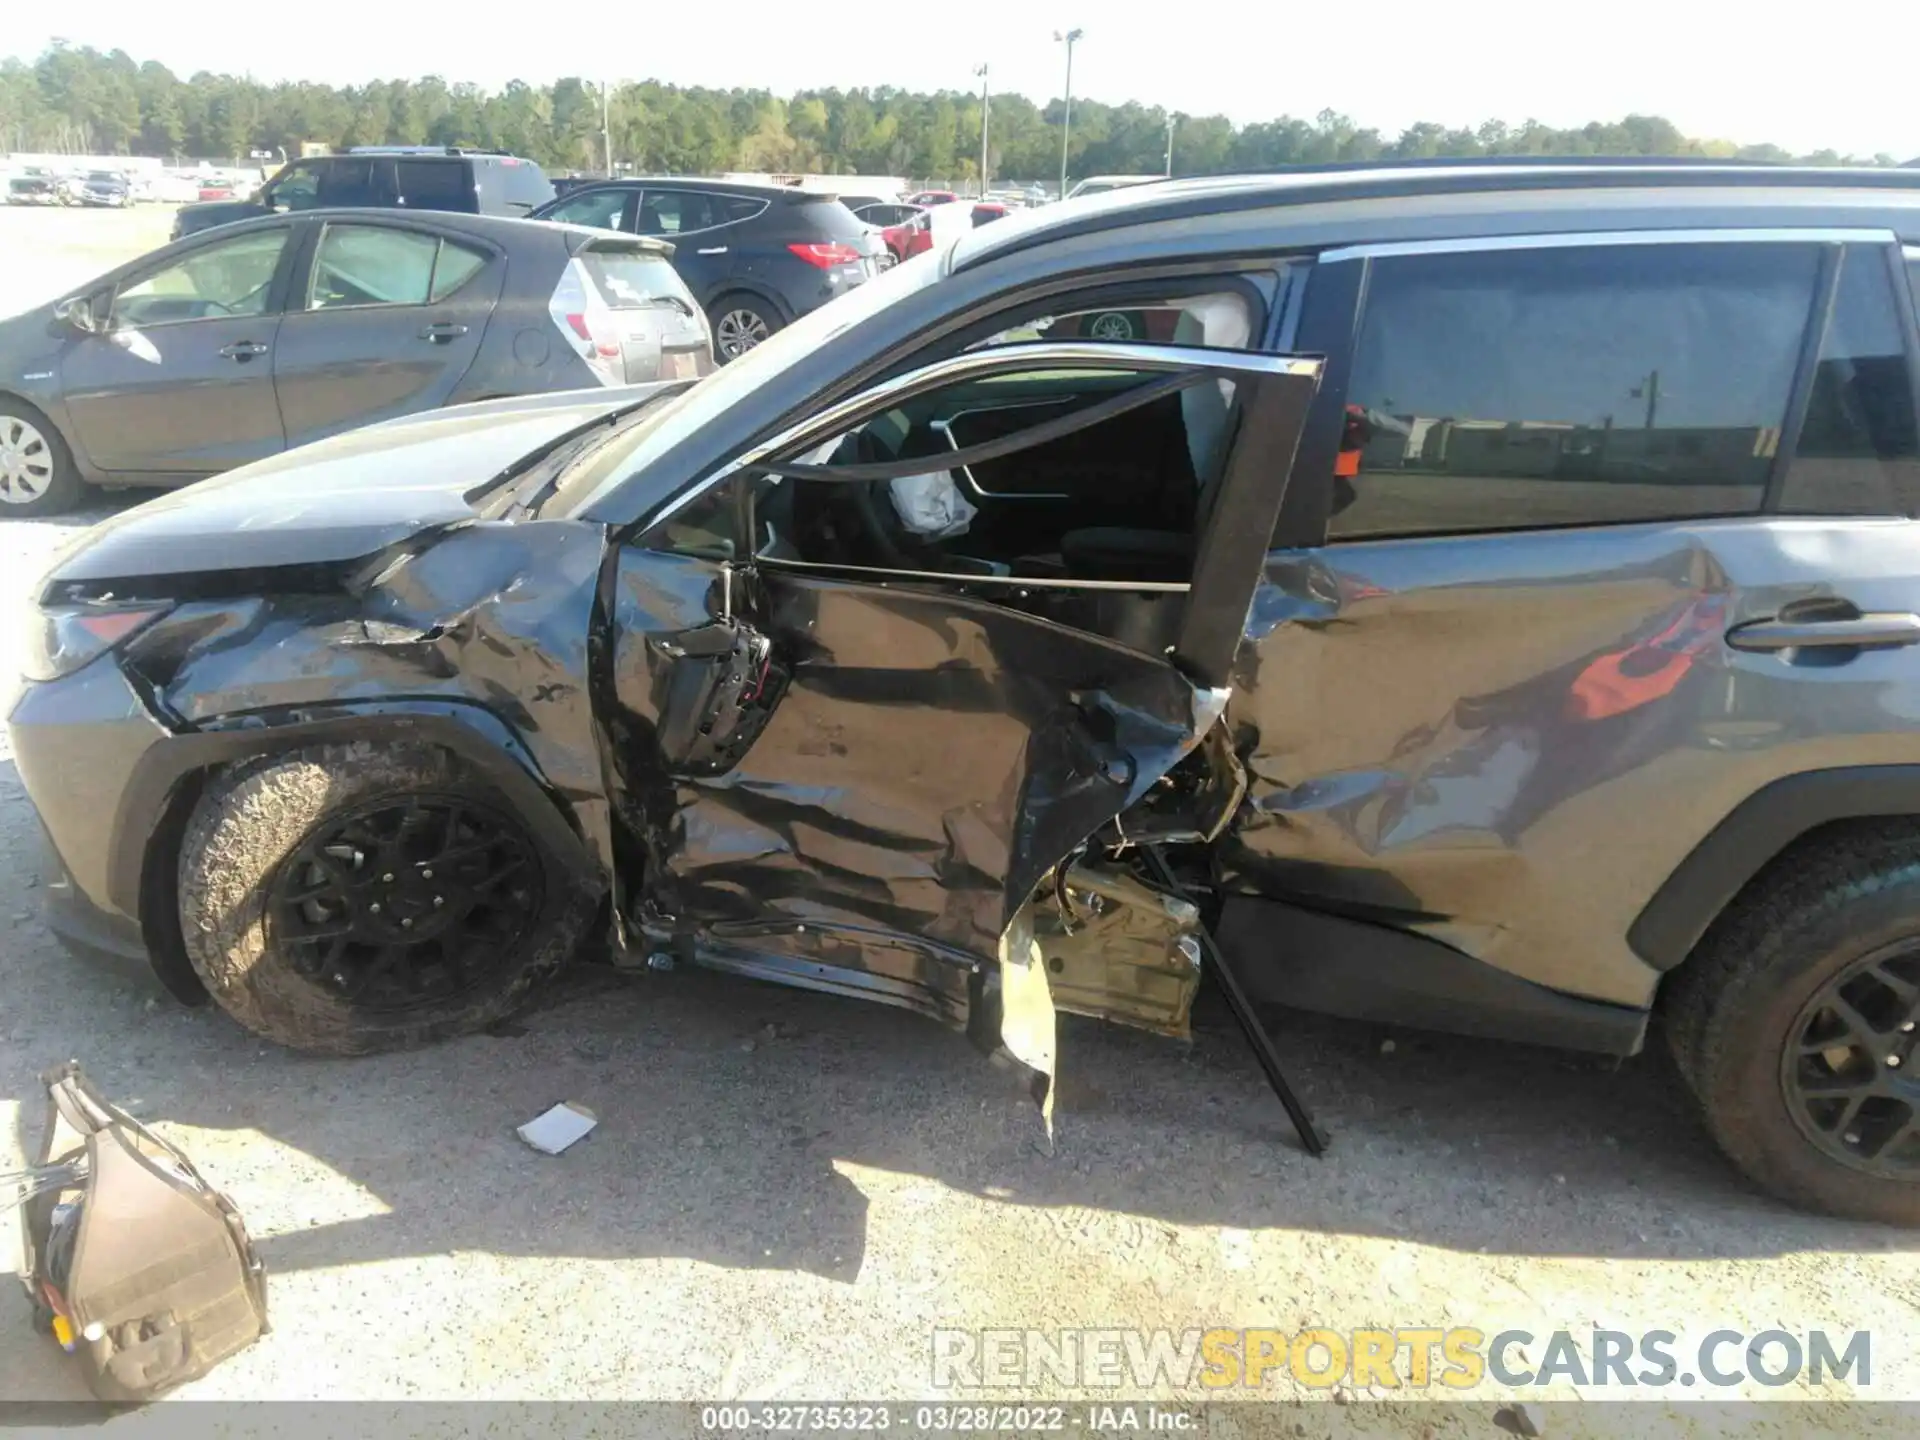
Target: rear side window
x: 435, y: 184
x: 675, y: 212
x: 634, y: 279
x: 374, y: 265
x: 1858, y: 452
x: 1579, y: 385
x: 346, y: 181
x: 738, y: 207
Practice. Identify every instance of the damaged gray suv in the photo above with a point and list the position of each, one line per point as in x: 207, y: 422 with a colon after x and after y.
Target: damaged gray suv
x: 1488, y: 603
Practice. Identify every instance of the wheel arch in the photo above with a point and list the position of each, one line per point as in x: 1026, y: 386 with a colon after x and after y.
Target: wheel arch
x: 764, y: 294
x: 1754, y: 834
x: 168, y: 783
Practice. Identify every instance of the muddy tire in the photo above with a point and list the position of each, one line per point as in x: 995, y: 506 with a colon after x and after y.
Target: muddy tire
x: 346, y: 899
x: 1793, y: 1025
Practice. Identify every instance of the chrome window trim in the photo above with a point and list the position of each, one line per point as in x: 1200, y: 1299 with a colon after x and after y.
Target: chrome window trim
x: 1563, y: 240
x: 1094, y: 355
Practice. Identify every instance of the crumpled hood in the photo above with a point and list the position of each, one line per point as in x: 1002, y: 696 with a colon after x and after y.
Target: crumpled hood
x: 338, y: 499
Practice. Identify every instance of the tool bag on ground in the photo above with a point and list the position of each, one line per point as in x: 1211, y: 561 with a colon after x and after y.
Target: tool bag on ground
x: 139, y: 1268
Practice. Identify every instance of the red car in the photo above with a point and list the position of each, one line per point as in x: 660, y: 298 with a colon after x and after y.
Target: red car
x: 902, y: 227
x: 989, y: 210
x: 933, y: 197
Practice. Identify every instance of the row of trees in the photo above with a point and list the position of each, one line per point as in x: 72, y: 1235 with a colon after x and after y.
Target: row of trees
x: 80, y: 100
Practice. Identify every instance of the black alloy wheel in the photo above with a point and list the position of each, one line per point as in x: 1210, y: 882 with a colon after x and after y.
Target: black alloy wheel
x: 407, y: 902
x: 1849, y: 1068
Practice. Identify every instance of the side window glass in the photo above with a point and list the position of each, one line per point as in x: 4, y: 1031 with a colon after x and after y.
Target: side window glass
x: 1858, y: 452
x: 737, y: 207
x: 434, y: 184
x: 366, y: 265
x: 1048, y: 473
x: 229, y: 277
x: 602, y: 209
x: 1221, y: 321
x: 674, y: 212
x: 1511, y: 389
x: 455, y: 266
x: 297, y: 188
x: 347, y: 181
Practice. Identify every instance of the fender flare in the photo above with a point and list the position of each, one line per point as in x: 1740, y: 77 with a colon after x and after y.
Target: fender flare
x: 158, y: 797
x: 1758, y: 829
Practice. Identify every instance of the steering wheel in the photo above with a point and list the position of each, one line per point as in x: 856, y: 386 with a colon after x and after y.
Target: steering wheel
x: 869, y: 504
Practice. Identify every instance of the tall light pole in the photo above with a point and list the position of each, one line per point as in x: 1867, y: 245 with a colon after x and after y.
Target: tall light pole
x: 1169, y: 147
x: 984, y: 83
x: 1066, y: 121
x: 606, y: 129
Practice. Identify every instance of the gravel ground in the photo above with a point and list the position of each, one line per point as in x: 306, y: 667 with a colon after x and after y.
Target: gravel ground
x: 787, y: 1193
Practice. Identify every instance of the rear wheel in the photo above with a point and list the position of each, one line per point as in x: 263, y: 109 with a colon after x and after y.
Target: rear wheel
x: 353, y: 898
x: 1795, y: 1025
x: 740, y: 322
x: 37, y: 474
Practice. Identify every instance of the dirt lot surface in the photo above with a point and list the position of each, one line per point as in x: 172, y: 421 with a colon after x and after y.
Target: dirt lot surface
x: 787, y: 1193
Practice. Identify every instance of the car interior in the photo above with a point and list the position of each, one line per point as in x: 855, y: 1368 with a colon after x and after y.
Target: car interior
x: 1121, y: 499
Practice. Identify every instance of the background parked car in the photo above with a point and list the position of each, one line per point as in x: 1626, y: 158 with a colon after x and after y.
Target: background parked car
x: 756, y: 257
x: 35, y: 187
x: 896, y: 224
x: 240, y: 343
x: 108, y: 188
x: 933, y: 197
x: 466, y: 182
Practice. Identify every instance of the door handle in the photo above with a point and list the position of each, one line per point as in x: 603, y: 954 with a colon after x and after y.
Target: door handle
x: 443, y: 331
x: 712, y: 250
x: 243, y: 350
x: 1887, y: 628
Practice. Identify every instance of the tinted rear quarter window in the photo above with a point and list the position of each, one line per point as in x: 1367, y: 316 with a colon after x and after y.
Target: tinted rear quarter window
x: 1577, y: 385
x: 1858, y: 452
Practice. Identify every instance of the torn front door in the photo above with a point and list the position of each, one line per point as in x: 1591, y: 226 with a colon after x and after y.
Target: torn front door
x: 855, y: 782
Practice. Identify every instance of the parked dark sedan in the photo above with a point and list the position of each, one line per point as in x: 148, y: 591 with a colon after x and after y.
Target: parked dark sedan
x: 757, y: 257
x: 106, y: 188
x: 255, y: 338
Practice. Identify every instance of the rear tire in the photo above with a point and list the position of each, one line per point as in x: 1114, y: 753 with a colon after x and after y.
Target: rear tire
x: 1792, y: 1023
x: 311, y: 909
x: 37, y: 473
x: 740, y: 322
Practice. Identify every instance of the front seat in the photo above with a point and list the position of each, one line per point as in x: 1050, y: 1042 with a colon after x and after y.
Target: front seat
x: 1206, y: 411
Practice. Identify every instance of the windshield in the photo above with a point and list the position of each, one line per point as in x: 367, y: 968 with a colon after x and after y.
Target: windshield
x: 664, y: 426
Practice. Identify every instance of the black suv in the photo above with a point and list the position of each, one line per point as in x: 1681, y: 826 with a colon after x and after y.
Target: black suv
x: 468, y: 182
x: 1495, y: 606
x: 757, y: 257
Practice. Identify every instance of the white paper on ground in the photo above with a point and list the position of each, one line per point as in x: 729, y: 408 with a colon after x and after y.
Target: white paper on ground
x: 559, y: 1127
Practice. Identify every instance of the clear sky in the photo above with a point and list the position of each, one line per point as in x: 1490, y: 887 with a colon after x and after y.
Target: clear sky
x: 1840, y: 76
